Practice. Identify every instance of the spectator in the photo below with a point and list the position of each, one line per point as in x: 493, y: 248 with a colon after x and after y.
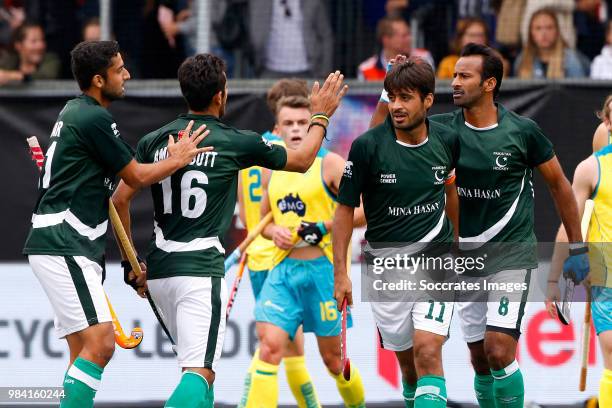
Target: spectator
x: 29, y: 59
x: 546, y: 54
x: 469, y: 30
x: 185, y: 23
x: 394, y: 37
x: 602, y: 64
x: 11, y: 17
x: 565, y: 20
x: 291, y: 38
x: 91, y: 30
x: 590, y: 29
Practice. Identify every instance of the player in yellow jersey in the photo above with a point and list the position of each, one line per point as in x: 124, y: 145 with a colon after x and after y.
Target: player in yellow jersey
x: 603, y: 134
x: 593, y: 179
x: 299, y: 288
x: 261, y: 250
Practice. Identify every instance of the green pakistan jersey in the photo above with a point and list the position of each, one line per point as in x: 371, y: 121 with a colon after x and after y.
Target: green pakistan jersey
x: 85, y: 153
x: 495, y: 186
x: 402, y: 185
x: 194, y: 207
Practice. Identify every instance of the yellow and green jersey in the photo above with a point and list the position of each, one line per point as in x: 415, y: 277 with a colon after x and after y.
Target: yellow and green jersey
x: 194, y: 206
x: 296, y: 197
x: 600, y: 227
x: 84, y: 155
x: 261, y: 250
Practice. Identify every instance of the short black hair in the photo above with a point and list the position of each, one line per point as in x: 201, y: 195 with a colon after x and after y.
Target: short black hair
x: 91, y: 58
x: 415, y: 74
x: 201, y: 77
x: 492, y: 65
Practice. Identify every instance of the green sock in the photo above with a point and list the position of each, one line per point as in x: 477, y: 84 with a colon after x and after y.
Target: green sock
x: 80, y: 384
x: 508, y: 387
x: 483, y: 385
x: 430, y: 392
x: 210, y: 397
x: 191, y: 392
x: 408, y: 394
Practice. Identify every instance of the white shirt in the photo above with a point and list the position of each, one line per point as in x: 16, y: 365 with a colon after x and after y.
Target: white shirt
x: 601, y: 68
x: 286, y: 51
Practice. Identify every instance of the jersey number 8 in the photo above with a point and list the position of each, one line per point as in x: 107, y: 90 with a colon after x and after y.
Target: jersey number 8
x: 193, y: 198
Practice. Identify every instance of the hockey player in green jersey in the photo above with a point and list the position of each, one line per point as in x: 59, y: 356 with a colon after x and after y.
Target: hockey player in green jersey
x: 403, y: 170
x: 193, y: 210
x: 65, y: 245
x: 499, y: 150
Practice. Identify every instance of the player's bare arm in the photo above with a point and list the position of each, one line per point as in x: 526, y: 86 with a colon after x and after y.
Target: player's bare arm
x: 241, y: 211
x: 180, y: 154
x: 122, y: 198
x: 585, y: 180
x: 343, y: 230
x: 452, y: 207
x: 333, y: 167
x: 324, y: 100
x: 563, y: 197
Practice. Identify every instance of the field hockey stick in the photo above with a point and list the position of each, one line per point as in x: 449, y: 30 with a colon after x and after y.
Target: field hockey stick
x: 589, y: 205
x: 233, y: 258
x: 129, y: 251
x: 234, y: 291
x: 346, y: 362
x: 124, y: 341
x: 563, y: 309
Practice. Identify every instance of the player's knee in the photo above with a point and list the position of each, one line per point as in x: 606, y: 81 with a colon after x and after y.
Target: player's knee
x: 478, y: 358
x: 428, y: 358
x: 498, y: 356
x: 331, y: 359
x: 294, y: 349
x: 100, y: 352
x: 271, y: 350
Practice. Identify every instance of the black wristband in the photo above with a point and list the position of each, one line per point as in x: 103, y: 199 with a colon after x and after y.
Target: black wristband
x: 127, y: 267
x: 579, y: 250
x: 319, y: 124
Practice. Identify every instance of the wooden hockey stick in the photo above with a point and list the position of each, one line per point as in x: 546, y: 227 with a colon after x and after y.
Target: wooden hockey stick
x: 586, y: 325
x: 124, y: 341
x: 233, y: 258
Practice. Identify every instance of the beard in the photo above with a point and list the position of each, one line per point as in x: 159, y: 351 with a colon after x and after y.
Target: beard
x: 112, y: 95
x: 411, y: 125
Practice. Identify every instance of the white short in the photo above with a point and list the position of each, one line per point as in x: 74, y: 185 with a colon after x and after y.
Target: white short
x: 193, y: 311
x: 497, y: 309
x: 397, y: 321
x: 73, y: 285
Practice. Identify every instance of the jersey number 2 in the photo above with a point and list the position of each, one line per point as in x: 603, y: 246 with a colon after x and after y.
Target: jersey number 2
x: 193, y: 198
x: 255, y: 185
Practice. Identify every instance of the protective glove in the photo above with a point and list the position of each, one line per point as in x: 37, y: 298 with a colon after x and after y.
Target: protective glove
x: 312, y: 232
x: 576, y: 266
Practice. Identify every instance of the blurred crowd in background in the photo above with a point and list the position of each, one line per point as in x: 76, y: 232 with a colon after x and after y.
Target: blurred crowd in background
x: 308, y: 38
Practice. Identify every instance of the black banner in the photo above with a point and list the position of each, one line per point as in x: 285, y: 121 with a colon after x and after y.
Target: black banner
x: 565, y: 112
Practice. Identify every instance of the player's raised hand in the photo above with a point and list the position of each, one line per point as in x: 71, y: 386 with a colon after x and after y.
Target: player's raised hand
x: 187, y: 146
x: 400, y: 58
x: 325, y: 99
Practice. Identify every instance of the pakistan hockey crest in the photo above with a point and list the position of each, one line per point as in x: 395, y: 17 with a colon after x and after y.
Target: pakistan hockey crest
x: 291, y: 203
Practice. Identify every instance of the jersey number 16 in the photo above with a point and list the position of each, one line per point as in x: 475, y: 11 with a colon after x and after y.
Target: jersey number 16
x: 193, y: 198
